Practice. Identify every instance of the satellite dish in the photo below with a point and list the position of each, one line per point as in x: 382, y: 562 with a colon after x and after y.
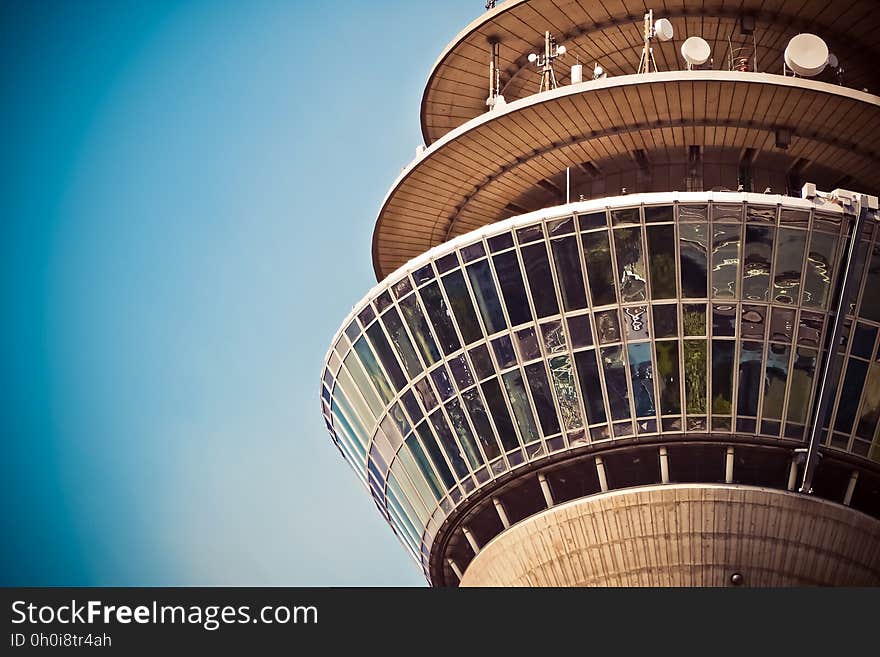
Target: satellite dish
x: 532, y: 57
x: 806, y: 54
x: 696, y: 51
x: 560, y: 50
x: 663, y: 29
x: 833, y: 62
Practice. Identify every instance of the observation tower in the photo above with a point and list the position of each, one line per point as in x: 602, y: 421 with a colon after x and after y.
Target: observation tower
x: 626, y: 325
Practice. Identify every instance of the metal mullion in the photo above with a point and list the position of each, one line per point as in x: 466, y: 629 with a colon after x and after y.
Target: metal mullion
x: 679, y: 313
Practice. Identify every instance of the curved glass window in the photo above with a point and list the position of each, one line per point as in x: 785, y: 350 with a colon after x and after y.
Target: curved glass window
x: 591, y: 389
x: 488, y: 302
x: 642, y: 372
x: 418, y: 327
x: 568, y: 270
x: 756, y: 262
x: 693, y: 249
x: 789, y: 261
x: 597, y: 256
x: 537, y: 268
x: 435, y: 306
x: 460, y: 300
x: 512, y: 288
x: 519, y: 402
x: 725, y: 260
x: 630, y: 264
x: 668, y: 377
x: 480, y: 420
x: 661, y: 258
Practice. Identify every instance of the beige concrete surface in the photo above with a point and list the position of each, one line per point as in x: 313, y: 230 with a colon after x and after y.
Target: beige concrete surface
x: 685, y: 535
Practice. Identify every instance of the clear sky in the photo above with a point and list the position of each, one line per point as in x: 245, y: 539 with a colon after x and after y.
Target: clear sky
x: 187, y: 196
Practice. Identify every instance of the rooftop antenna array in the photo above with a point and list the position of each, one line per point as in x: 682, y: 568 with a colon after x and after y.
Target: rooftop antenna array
x: 545, y: 62
x: 662, y: 29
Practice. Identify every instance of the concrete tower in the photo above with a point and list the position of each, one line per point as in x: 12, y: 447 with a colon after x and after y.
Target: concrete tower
x: 626, y: 325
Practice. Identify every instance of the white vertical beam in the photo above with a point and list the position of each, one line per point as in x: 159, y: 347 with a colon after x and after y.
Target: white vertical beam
x: 664, y: 466
x: 851, y: 487
x: 471, y: 540
x: 455, y: 568
x: 792, y: 474
x: 545, y: 489
x: 499, y: 507
x: 728, y: 466
x: 600, y: 469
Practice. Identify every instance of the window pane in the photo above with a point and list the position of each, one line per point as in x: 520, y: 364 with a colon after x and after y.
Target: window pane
x: 756, y: 263
x: 553, y: 336
x: 500, y: 414
x: 579, y: 331
x: 667, y: 377
x: 608, y: 326
x: 661, y: 256
x: 512, y: 288
x: 802, y: 373
x: 354, y: 368
x: 482, y: 361
x: 820, y: 263
x: 566, y: 393
x: 695, y: 376
x: 615, y: 382
x: 461, y: 372
x: 722, y: 376
x: 435, y: 307
x: 597, y: 256
x: 666, y: 321
x: 488, y: 302
x: 480, y: 420
x: 372, y: 367
x: 442, y: 383
x: 851, y: 392
x: 789, y: 260
x: 519, y: 402
x: 591, y: 390
x: 429, y: 485
x: 642, y: 372
x: 418, y: 327
x: 401, y: 342
x: 540, y: 388
x: 460, y: 300
x: 465, y: 436
x: 750, y: 381
x: 871, y: 297
x: 568, y: 271
x: 537, y: 268
x: 433, y: 450
x: 630, y: 264
x: 503, y: 348
x: 693, y: 244
x: 453, y: 451
x: 694, y: 319
x: 870, y: 415
x: 725, y: 260
x: 527, y: 344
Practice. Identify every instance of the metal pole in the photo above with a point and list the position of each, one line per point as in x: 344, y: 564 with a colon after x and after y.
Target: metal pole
x: 827, y: 387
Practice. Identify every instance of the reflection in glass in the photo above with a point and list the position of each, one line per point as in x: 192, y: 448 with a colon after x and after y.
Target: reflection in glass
x: 579, y: 331
x: 412, y: 406
x: 666, y: 321
x: 540, y: 388
x: 480, y: 420
x: 782, y: 324
x: 607, y: 326
x: 461, y: 372
x: 450, y: 446
x: 802, y: 372
x: 537, y: 268
x: 568, y: 271
x: 695, y: 376
x: 442, y: 383
x: 775, y: 378
x: 527, y: 344
x: 503, y: 348
x: 625, y: 216
x: 566, y: 393
x: 591, y: 391
x: 752, y: 321
x: 817, y: 277
x: 592, y: 220
x: 428, y: 484
x: 725, y: 260
x: 418, y: 327
x: 694, y: 315
x: 488, y: 302
x: 386, y: 355
x: 723, y: 320
x: 763, y: 213
x: 482, y: 361
x: 863, y: 341
x: 353, y: 365
x: 851, y: 392
x: 722, y: 376
x: 512, y: 288
x: 433, y: 450
x: 635, y: 320
x: 756, y: 262
x: 463, y: 430
x: 401, y: 342
x: 693, y: 245
x: 597, y: 257
x: 372, y: 367
x: 661, y: 257
x: 630, y: 264
x: 749, y: 378
x: 616, y: 382
x: 871, y: 297
x: 500, y: 414
x: 789, y: 261
x: 426, y: 394
x: 519, y: 402
x: 870, y: 415
x: 642, y: 373
x: 553, y: 336
x: 656, y: 213
x: 667, y: 377
x: 460, y: 300
x: 347, y: 384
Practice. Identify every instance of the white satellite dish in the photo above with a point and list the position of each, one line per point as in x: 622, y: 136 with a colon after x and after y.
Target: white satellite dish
x: 532, y: 57
x: 696, y: 51
x: 806, y: 54
x: 833, y: 62
x: 663, y: 29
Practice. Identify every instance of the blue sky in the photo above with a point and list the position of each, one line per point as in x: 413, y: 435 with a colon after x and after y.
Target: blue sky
x: 188, y: 195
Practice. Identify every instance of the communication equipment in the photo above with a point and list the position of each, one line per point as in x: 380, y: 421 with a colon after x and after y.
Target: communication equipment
x: 696, y: 51
x: 663, y: 29
x: 806, y: 54
x: 545, y: 61
x: 577, y: 73
x: 599, y: 72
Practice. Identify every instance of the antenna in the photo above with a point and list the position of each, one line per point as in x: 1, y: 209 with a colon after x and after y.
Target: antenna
x: 545, y: 62
x: 696, y: 51
x: 662, y: 29
x: 806, y: 55
x: 495, y: 98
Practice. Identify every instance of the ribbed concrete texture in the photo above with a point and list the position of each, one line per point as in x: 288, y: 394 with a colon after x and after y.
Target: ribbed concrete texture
x: 685, y: 535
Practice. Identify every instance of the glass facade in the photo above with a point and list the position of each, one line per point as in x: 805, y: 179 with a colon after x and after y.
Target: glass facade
x: 532, y: 337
